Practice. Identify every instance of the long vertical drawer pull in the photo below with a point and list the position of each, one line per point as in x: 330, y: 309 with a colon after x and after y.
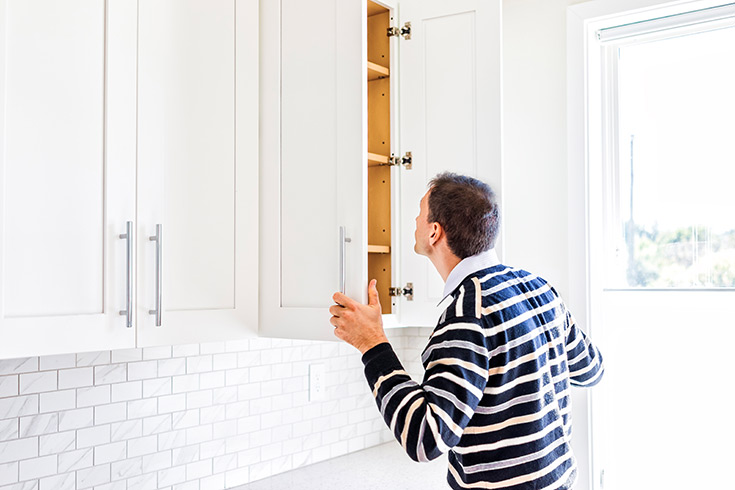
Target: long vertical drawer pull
x: 342, y: 259
x: 342, y: 265
x: 159, y: 251
x: 128, y: 311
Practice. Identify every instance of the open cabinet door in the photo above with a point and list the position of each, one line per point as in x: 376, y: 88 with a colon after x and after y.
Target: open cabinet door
x: 312, y: 172
x: 450, y: 103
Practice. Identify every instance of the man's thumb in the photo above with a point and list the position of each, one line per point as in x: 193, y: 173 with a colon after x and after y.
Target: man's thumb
x: 373, y: 298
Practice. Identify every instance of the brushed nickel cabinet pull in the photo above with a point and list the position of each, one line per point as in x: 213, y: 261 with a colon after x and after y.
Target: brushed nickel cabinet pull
x: 342, y: 267
x: 128, y: 311
x: 159, y: 252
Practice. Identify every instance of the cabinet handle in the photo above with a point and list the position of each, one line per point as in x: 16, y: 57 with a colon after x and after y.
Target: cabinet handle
x: 159, y: 251
x: 342, y: 268
x: 128, y: 311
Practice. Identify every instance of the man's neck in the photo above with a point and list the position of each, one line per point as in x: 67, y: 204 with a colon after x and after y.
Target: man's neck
x: 444, y: 262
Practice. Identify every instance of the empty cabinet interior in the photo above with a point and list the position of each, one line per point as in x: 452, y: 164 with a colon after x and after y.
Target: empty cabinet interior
x: 379, y: 151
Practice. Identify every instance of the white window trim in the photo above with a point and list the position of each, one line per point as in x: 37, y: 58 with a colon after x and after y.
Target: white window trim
x: 704, y: 19
x: 585, y: 193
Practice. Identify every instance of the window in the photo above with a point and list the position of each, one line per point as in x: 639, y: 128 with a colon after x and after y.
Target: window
x: 652, y: 119
x: 675, y: 164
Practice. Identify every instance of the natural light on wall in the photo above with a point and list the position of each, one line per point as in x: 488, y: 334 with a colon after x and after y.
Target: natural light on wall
x: 676, y: 163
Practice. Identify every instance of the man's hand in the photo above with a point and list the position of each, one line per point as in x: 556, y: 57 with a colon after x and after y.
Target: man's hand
x: 359, y: 325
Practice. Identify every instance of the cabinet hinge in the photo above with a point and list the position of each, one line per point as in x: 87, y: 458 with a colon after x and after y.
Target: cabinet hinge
x: 407, y: 292
x: 404, y: 31
x: 406, y: 160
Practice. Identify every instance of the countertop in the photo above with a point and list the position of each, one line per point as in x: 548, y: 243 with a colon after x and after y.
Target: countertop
x: 385, y: 466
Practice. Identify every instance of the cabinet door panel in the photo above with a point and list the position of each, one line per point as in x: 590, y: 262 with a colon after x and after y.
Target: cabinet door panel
x: 197, y: 152
x: 308, y: 131
x: 54, y: 161
x: 450, y: 119
x: 68, y: 175
x: 313, y: 150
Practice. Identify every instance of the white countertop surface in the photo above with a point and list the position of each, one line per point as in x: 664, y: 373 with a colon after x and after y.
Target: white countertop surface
x: 385, y: 466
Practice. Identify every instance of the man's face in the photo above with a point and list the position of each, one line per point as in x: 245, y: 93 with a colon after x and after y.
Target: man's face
x: 423, y: 227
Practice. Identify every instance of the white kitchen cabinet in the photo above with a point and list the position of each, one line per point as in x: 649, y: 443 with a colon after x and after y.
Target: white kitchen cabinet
x: 67, y: 174
x: 344, y: 109
x: 115, y: 112
x: 197, y: 170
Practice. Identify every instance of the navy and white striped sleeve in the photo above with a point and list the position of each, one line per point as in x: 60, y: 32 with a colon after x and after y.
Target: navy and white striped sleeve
x: 428, y: 419
x: 584, y: 361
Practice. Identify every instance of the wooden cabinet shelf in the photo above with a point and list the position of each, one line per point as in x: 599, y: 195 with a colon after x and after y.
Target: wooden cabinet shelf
x: 378, y: 249
x: 375, y: 71
x: 376, y: 160
x: 380, y: 230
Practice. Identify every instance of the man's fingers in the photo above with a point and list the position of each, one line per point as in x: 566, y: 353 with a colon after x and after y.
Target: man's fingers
x: 335, y: 310
x: 373, y: 297
x: 343, y: 300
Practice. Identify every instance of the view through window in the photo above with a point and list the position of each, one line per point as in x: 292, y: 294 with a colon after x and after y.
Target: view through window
x: 676, y: 163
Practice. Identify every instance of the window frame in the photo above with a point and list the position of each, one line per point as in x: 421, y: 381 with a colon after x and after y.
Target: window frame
x: 610, y: 145
x: 590, y: 126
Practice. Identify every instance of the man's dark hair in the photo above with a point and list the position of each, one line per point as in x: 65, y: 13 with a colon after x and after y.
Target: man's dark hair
x: 467, y: 210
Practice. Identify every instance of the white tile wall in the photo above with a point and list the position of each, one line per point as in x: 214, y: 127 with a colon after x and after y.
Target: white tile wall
x: 208, y: 416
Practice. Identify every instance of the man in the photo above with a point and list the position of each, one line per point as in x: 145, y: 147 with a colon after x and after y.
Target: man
x: 495, y: 394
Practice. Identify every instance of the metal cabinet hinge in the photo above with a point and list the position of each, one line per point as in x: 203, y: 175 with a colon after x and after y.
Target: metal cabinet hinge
x: 404, y: 31
x: 407, y: 292
x: 406, y: 160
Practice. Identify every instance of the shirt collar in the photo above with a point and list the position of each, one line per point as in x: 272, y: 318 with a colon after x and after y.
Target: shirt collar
x: 468, y: 266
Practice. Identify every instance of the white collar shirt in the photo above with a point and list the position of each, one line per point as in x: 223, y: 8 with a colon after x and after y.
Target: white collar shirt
x: 468, y: 266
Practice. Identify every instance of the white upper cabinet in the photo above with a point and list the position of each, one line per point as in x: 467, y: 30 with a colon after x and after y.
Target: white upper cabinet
x: 354, y: 123
x: 124, y: 112
x: 67, y: 174
x: 197, y: 170
x: 312, y: 183
x: 274, y: 168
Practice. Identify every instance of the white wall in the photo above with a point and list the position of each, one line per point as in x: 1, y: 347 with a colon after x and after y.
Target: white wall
x: 534, y: 125
x: 535, y: 188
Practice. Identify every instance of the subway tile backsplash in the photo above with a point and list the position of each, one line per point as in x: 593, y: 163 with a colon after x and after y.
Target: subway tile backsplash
x: 206, y: 416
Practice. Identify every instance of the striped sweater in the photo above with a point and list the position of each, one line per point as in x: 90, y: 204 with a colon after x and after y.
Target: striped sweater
x: 495, y: 393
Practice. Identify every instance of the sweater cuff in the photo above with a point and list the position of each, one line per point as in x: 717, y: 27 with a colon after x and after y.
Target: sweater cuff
x: 380, y: 360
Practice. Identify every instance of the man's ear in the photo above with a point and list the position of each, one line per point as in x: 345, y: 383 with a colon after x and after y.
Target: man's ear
x: 436, y: 233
